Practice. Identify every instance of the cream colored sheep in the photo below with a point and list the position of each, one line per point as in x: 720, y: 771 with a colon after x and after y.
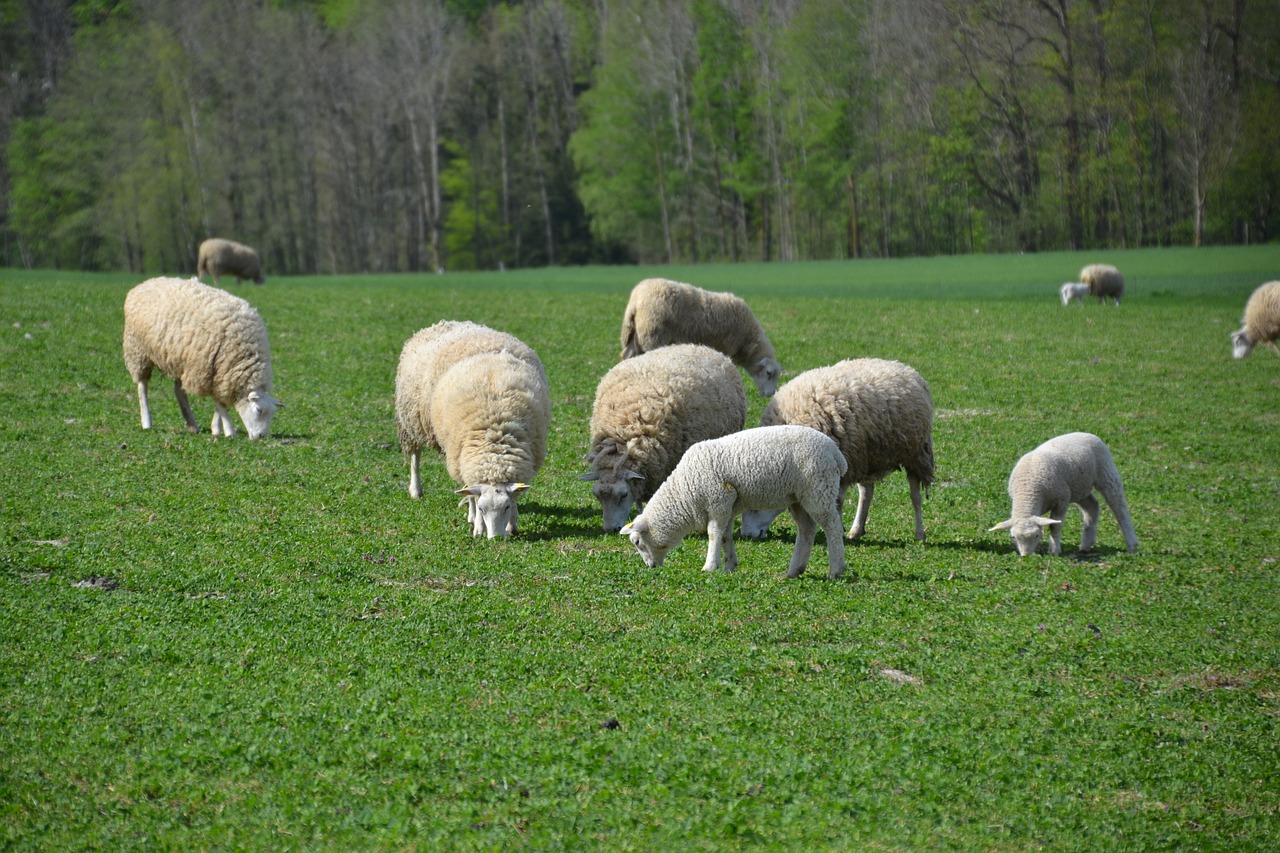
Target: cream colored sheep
x: 1260, y: 323
x: 219, y: 257
x: 213, y: 344
x: 648, y: 410
x: 662, y: 312
x: 880, y: 414
x: 1104, y: 281
x: 481, y: 398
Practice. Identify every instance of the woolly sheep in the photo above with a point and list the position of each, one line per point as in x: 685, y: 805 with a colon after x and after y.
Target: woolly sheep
x: 648, y: 410
x: 1062, y: 471
x: 662, y: 312
x: 219, y: 257
x: 763, y: 468
x: 1260, y: 323
x: 212, y: 344
x: 1073, y: 291
x: 1104, y: 281
x: 880, y: 414
x: 481, y: 398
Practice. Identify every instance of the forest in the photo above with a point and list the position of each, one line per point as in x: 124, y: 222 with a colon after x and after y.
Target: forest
x: 340, y: 136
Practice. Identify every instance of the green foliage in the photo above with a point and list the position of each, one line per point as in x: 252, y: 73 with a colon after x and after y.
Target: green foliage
x: 223, y: 643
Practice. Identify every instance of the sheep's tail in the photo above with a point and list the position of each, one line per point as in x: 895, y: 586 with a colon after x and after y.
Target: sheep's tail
x: 922, y: 468
x: 630, y: 340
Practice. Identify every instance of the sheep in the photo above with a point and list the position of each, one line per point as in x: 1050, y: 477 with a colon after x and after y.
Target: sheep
x: 481, y: 398
x: 880, y: 414
x: 762, y: 468
x: 1073, y: 291
x: 1062, y: 471
x: 1104, y: 281
x: 1260, y: 323
x: 648, y: 410
x: 662, y: 312
x: 212, y: 344
x: 218, y: 257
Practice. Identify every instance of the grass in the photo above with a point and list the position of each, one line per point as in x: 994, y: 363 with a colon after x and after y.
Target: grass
x: 223, y: 643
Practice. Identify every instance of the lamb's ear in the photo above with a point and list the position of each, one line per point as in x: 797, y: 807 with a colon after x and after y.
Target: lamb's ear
x: 1045, y: 521
x: 590, y: 475
x: 626, y: 530
x: 1004, y: 525
x: 473, y: 490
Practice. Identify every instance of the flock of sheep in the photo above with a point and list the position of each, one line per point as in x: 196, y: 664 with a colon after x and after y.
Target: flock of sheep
x: 668, y: 421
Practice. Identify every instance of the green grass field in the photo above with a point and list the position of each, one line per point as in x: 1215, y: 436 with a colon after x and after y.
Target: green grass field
x: 213, y: 643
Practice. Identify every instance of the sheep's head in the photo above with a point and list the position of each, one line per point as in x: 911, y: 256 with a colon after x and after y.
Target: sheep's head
x: 646, y: 543
x: 617, y: 492
x: 766, y: 373
x: 491, y: 507
x: 755, y: 522
x: 1241, y: 345
x: 256, y: 410
x: 1026, y: 532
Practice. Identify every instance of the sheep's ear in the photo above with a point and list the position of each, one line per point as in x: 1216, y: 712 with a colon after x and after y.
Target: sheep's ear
x: 626, y: 530
x: 1045, y: 521
x: 590, y: 475
x: 473, y: 490
x: 632, y: 475
x: 517, y: 488
x: 1004, y: 525
x: 640, y: 525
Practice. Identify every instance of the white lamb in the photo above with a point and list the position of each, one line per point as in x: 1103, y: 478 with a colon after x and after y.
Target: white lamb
x: 1104, y: 281
x: 662, y: 312
x: 763, y: 468
x: 219, y: 257
x: 1073, y: 291
x: 212, y: 343
x: 1260, y: 323
x: 648, y: 410
x: 481, y: 398
x: 1064, y: 470
x: 880, y: 414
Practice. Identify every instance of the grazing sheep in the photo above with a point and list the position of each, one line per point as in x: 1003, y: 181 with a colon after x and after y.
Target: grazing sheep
x: 662, y: 312
x: 1104, y: 281
x: 481, y: 398
x: 1064, y: 470
x: 880, y: 414
x: 219, y: 257
x: 1260, y: 323
x: 763, y: 468
x: 1073, y: 291
x: 213, y: 344
x: 648, y: 411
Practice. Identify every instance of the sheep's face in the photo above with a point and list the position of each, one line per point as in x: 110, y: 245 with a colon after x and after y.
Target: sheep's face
x: 617, y: 493
x: 642, y: 537
x: 491, y: 508
x: 1026, y: 532
x: 256, y: 411
x: 766, y: 372
x: 755, y: 522
x: 1240, y: 344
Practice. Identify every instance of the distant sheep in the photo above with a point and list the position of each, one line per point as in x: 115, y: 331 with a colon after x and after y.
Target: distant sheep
x: 213, y: 344
x: 1260, y: 323
x: 662, y: 312
x: 481, y: 398
x: 880, y: 414
x: 1073, y: 291
x: 763, y: 468
x: 648, y: 410
x: 1104, y: 281
x: 219, y: 257
x: 1064, y: 470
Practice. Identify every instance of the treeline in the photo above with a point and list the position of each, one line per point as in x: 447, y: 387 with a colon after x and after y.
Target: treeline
x: 386, y: 135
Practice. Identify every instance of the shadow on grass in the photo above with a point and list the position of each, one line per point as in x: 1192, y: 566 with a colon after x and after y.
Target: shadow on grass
x: 565, y: 522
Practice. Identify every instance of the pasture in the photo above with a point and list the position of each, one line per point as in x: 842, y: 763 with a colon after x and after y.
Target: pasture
x: 223, y: 643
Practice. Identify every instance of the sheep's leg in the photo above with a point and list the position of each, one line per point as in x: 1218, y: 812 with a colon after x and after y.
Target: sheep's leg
x: 1055, y: 531
x: 833, y: 527
x: 1089, y: 509
x: 730, y: 550
x: 515, y: 518
x: 185, y: 405
x: 806, y: 532
x: 142, y: 404
x: 415, y: 478
x: 221, y: 424
x: 914, y: 483
x: 715, y: 542
x: 1114, y: 495
x: 865, y: 492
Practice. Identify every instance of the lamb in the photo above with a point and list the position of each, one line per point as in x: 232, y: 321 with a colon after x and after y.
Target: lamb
x: 763, y: 468
x: 1260, y: 323
x: 880, y: 414
x: 219, y: 257
x: 481, y: 398
x: 1104, y: 281
x: 1073, y: 291
x: 648, y: 410
x: 662, y: 312
x: 212, y: 343
x: 1064, y: 470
